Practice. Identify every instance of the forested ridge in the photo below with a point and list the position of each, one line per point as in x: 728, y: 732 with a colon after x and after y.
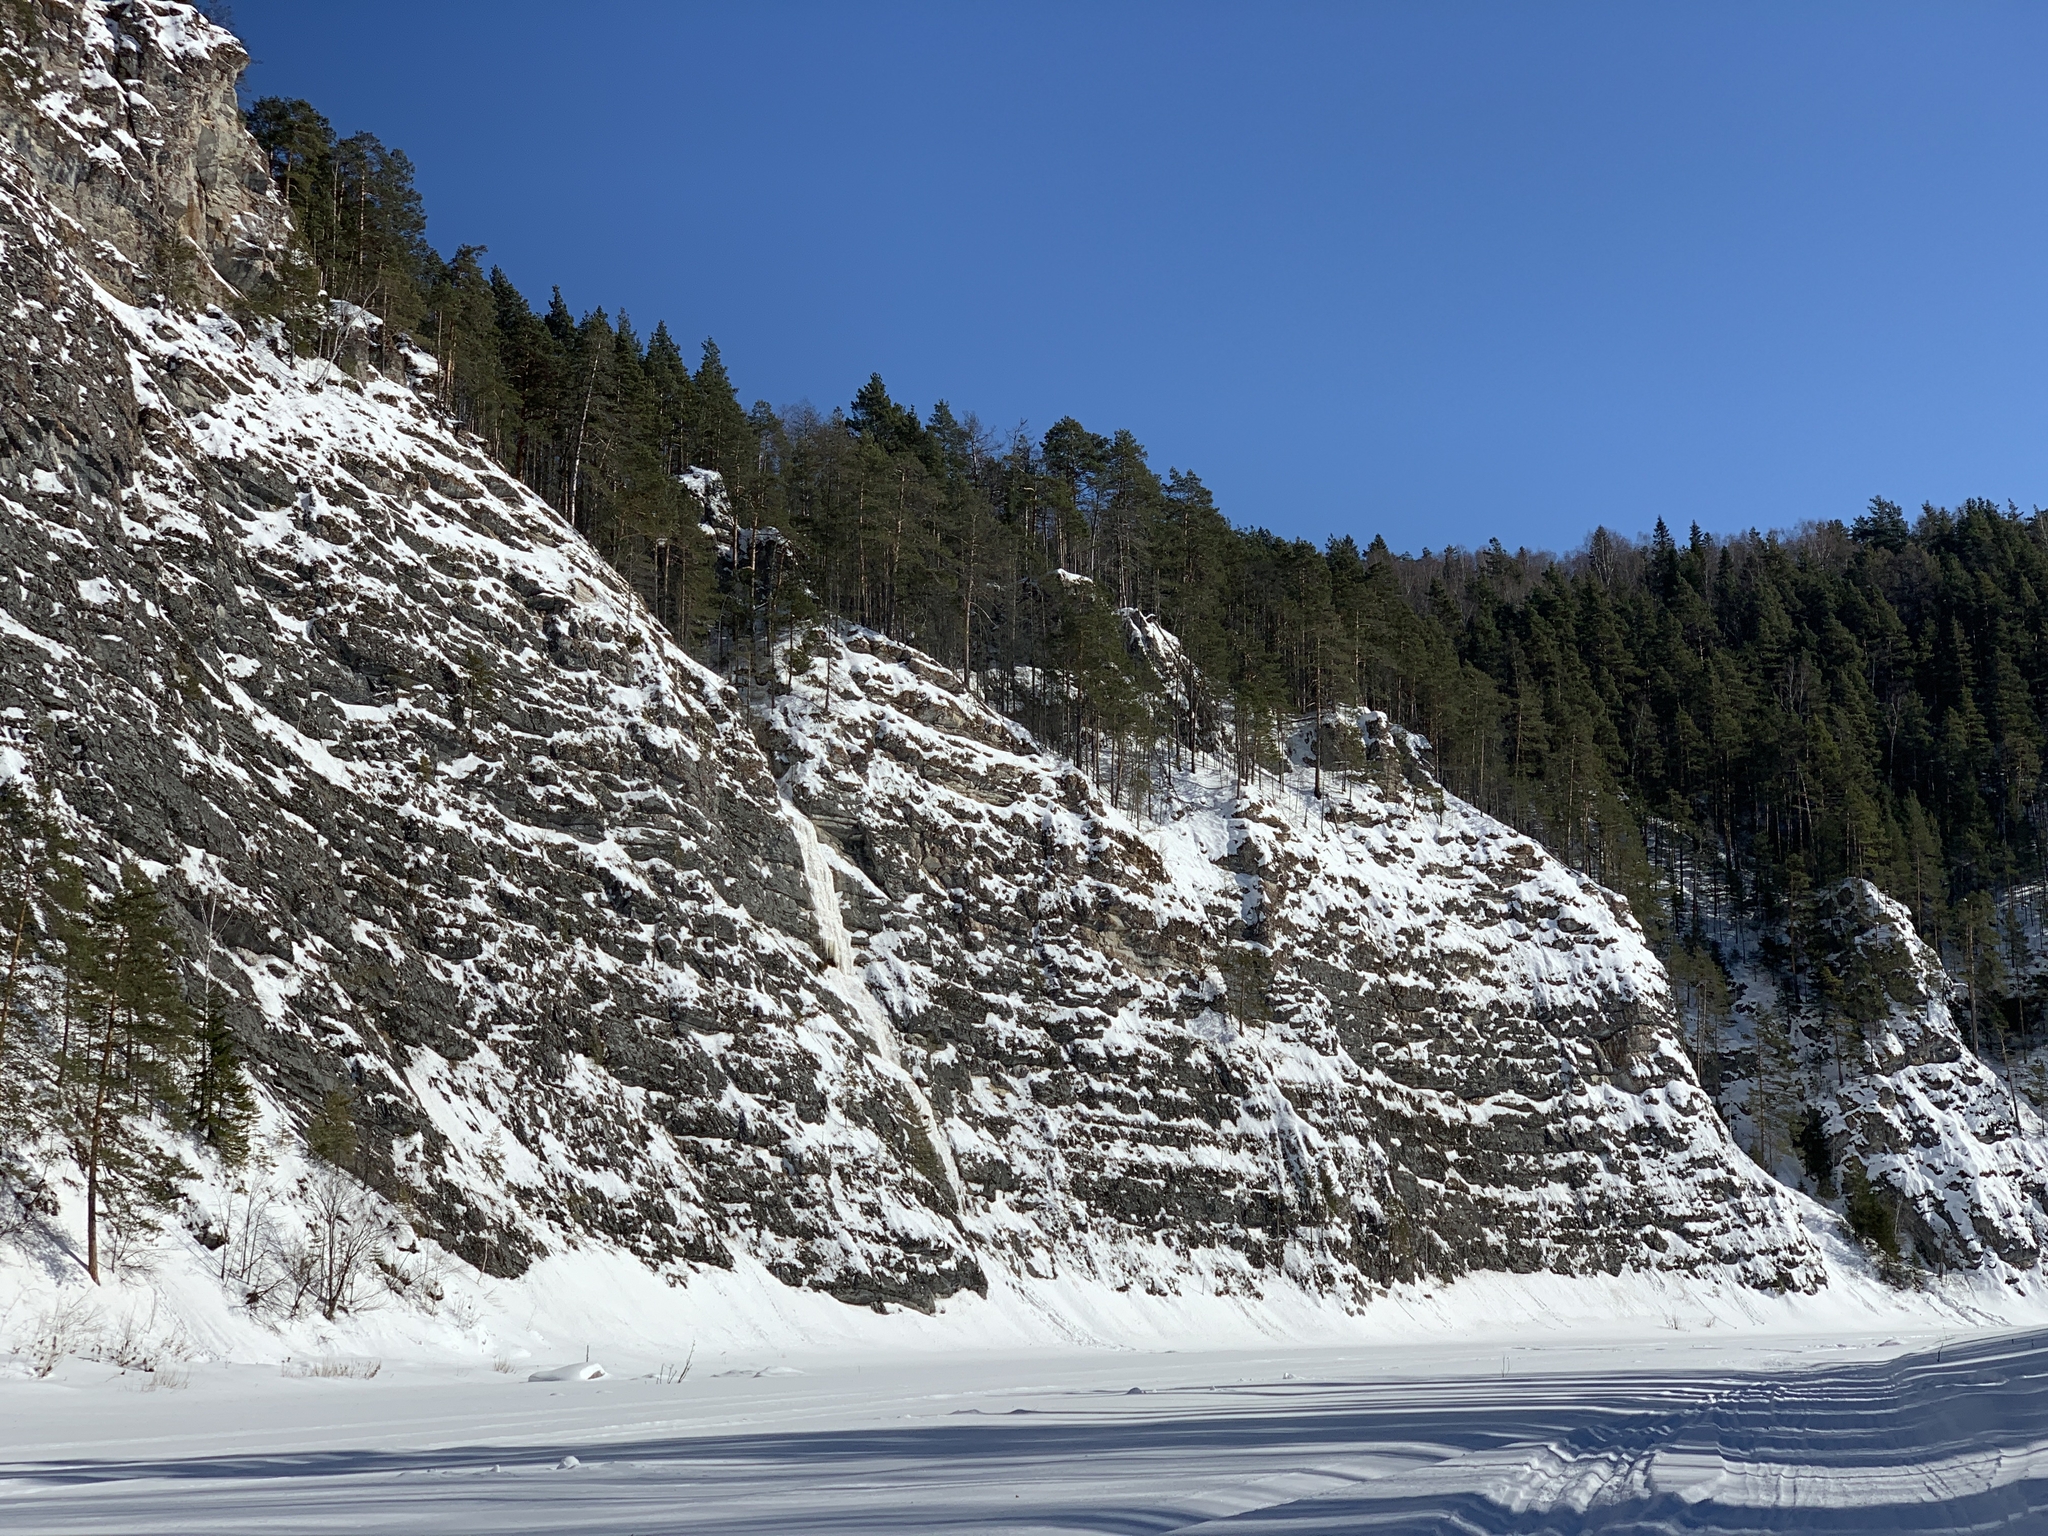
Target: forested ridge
x: 1719, y: 726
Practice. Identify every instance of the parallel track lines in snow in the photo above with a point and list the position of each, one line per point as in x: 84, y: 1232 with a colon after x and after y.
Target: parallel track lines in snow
x: 1911, y: 1444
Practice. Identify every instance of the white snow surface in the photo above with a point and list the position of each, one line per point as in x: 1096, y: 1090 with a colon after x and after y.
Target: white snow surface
x: 1685, y: 1427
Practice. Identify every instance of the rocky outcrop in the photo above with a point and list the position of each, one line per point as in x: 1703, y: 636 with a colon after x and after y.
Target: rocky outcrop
x: 125, y: 116
x: 1907, y: 1103
x: 1358, y: 1039
x: 867, y: 985
x: 449, y: 819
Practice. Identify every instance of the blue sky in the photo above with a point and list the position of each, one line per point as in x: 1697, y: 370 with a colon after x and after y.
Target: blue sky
x: 1442, y: 272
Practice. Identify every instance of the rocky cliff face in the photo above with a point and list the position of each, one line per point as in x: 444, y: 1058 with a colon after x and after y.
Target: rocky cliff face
x: 449, y: 819
x: 861, y: 983
x: 1955, y: 1152
x: 1357, y: 1039
x: 125, y: 117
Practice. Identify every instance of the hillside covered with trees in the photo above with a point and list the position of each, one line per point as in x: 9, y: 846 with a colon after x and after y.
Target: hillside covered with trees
x: 1718, y: 726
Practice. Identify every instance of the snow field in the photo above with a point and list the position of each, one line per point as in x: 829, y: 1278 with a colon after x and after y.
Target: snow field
x: 1658, y: 1431
x: 735, y: 1404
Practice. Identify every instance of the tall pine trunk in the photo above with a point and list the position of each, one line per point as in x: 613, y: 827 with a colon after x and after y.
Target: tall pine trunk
x: 94, y: 1143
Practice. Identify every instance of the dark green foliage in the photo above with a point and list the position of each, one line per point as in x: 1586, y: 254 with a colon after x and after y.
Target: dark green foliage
x: 1872, y: 1212
x: 1811, y: 1141
x: 222, y: 1106
x: 126, y: 1028
x: 99, y: 1047
x: 174, y: 267
x: 1883, y: 526
x: 331, y: 1133
x: 353, y: 205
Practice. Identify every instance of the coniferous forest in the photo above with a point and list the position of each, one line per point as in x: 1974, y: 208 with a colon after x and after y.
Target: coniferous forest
x: 1717, y: 726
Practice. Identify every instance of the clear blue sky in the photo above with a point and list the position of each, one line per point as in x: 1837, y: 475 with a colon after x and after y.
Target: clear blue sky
x: 1443, y: 272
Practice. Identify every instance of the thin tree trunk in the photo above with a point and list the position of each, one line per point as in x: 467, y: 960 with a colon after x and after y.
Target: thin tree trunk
x: 94, y: 1142
x: 582, y: 425
x: 966, y: 617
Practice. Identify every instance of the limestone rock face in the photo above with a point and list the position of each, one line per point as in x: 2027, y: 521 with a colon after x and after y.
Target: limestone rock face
x: 1363, y: 1039
x: 859, y: 982
x: 449, y: 819
x: 1961, y: 1156
x: 125, y: 115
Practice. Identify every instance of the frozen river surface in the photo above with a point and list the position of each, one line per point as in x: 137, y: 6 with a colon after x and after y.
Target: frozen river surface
x: 1683, y: 1434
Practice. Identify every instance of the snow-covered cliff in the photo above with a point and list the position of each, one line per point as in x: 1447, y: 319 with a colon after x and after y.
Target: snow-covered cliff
x: 1909, y: 1120
x: 861, y: 989
x: 1355, y: 1039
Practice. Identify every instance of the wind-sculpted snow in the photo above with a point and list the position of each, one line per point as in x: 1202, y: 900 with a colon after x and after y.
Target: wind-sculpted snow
x: 1522, y: 1441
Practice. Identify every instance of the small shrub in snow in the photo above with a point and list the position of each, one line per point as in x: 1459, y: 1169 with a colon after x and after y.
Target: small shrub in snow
x: 66, y: 1328
x: 673, y: 1375
x: 137, y: 1343
x: 333, y: 1269
x: 331, y: 1370
x: 415, y: 1274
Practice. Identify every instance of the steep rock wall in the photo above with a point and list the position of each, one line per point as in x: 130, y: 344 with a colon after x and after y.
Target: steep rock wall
x: 1959, y: 1152
x: 451, y: 822
x: 1361, y: 1039
x: 125, y: 115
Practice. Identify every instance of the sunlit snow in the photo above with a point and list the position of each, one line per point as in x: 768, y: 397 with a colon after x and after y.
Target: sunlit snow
x: 1687, y: 1431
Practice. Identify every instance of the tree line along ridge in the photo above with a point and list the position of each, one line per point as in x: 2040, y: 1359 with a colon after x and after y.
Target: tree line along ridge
x: 1718, y: 727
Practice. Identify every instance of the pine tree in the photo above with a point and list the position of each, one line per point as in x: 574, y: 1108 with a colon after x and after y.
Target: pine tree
x: 38, y: 891
x: 1883, y: 526
x: 129, y: 1028
x: 331, y: 1133
x: 720, y: 437
x: 223, y: 1107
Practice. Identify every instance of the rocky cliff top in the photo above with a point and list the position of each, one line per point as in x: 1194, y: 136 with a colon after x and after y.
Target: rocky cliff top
x: 125, y: 116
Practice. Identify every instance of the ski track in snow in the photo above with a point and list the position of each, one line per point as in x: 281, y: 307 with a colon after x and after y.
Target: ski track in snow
x: 1727, y: 1436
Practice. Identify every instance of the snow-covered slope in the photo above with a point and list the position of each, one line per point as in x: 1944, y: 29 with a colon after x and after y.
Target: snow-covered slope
x: 1955, y: 1151
x: 866, y: 992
